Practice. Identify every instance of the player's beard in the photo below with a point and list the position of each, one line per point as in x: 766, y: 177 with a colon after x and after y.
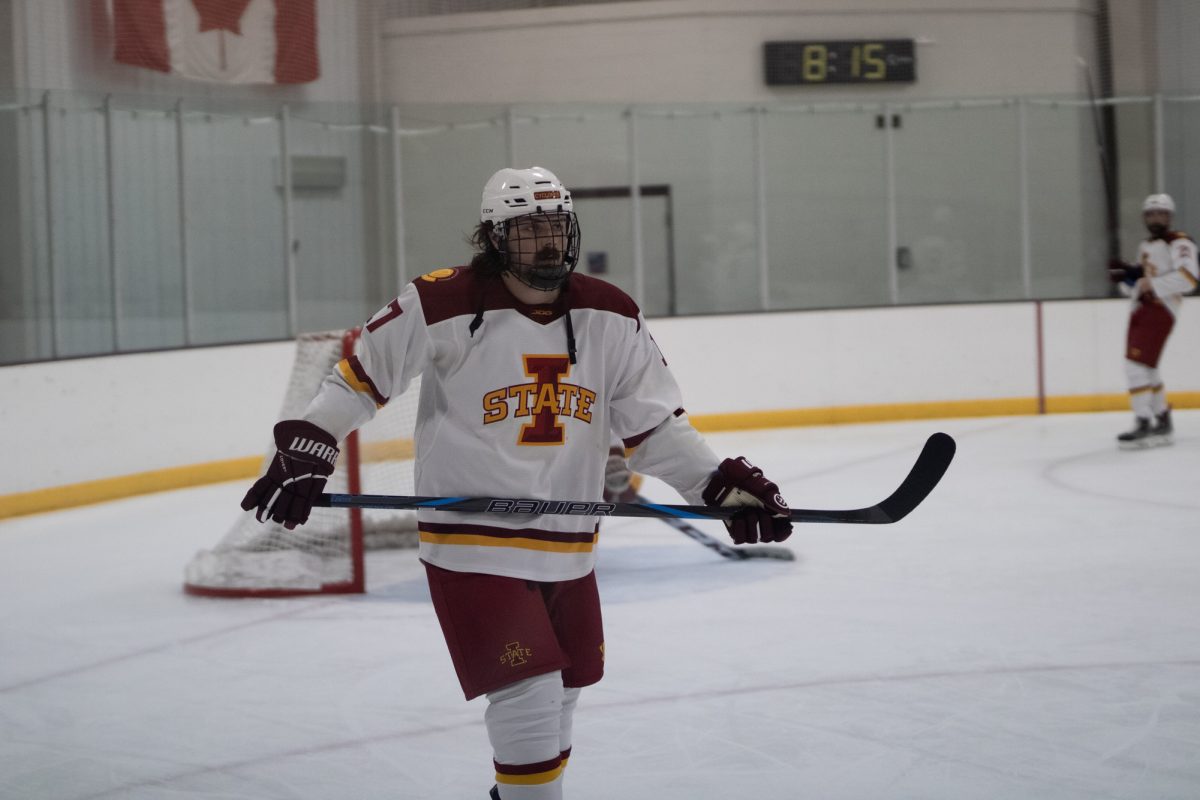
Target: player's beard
x: 546, y: 272
x: 1157, y: 230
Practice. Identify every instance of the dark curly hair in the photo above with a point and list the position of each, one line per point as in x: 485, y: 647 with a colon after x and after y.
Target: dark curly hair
x: 488, y: 261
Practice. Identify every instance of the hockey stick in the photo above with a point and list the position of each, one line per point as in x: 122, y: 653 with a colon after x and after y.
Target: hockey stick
x: 931, y: 464
x: 725, y: 550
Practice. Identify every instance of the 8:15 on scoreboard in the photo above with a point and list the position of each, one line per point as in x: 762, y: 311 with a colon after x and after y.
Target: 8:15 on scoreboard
x: 841, y: 61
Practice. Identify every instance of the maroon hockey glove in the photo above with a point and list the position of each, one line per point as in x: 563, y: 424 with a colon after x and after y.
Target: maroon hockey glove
x: 297, y: 474
x: 737, y: 482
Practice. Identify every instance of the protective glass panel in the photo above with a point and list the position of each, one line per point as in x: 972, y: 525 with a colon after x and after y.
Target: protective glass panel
x: 826, y: 185
x: 147, y: 246
x: 78, y: 237
x: 1068, y: 238
x: 130, y: 225
x: 588, y: 148
x: 448, y: 155
x: 234, y: 207
x: 1181, y: 128
x: 1134, y: 121
x: 958, y: 226
x: 338, y: 157
x: 707, y: 160
x: 607, y: 253
x: 24, y: 307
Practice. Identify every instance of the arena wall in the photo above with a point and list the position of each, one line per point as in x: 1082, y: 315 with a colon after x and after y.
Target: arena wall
x: 86, y: 430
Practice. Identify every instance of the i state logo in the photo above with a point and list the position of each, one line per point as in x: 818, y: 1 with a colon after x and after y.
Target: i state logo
x: 545, y: 399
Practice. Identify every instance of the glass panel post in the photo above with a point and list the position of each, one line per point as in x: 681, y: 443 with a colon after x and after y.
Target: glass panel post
x: 635, y: 203
x: 289, y: 260
x: 114, y: 276
x: 184, y: 265
x: 1160, y: 168
x: 760, y: 208
x: 51, y: 261
x: 398, y: 229
x: 1023, y: 199
x: 893, y: 234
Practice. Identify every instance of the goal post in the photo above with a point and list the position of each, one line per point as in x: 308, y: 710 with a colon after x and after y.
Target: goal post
x: 326, y: 555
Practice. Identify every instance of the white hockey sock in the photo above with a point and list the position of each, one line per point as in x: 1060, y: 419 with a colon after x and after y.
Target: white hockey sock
x: 570, y: 698
x: 1158, y: 400
x: 1142, y: 401
x: 524, y: 724
x: 1141, y: 380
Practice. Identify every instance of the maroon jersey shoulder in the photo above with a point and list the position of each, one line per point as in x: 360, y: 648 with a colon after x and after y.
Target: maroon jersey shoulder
x: 1175, y: 236
x: 589, y: 292
x: 447, y: 293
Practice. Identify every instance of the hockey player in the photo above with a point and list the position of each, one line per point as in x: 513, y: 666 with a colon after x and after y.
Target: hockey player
x: 527, y: 369
x: 1166, y: 270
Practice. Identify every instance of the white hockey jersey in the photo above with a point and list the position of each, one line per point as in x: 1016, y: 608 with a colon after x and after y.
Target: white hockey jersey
x: 504, y: 413
x: 1170, y: 264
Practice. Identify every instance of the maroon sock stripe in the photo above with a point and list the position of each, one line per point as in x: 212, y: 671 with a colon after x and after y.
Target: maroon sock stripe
x: 528, y: 769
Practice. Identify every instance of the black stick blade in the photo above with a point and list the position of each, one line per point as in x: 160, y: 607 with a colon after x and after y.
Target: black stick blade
x: 931, y: 465
x: 929, y: 468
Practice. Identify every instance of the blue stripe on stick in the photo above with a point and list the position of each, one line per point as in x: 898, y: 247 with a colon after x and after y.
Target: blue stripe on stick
x: 674, y: 512
x: 443, y: 501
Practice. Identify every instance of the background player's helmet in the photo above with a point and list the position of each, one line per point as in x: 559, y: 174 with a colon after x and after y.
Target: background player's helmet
x: 1159, y: 202
x: 535, y: 192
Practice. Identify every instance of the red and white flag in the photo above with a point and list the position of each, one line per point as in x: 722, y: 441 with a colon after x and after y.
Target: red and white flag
x: 225, y: 41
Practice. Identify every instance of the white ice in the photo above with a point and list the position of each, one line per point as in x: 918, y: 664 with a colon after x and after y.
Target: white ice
x: 1031, y: 631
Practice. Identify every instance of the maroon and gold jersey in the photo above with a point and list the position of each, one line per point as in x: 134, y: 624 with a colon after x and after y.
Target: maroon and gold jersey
x: 504, y: 413
x: 1170, y: 264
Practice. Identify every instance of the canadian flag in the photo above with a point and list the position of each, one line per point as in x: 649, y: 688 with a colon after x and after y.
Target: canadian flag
x: 225, y: 41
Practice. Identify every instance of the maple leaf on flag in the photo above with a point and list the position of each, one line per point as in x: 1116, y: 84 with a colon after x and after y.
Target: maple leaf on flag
x: 221, y: 15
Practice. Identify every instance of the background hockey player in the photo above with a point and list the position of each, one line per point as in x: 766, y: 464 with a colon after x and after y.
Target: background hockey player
x: 528, y: 370
x: 1166, y: 270
x: 621, y: 484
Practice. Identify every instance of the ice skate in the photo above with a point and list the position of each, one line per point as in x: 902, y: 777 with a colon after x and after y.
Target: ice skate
x: 1142, y: 436
x: 1163, y: 428
x: 494, y: 794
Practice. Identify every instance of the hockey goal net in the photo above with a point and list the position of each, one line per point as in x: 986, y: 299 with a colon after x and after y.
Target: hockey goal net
x: 325, y: 555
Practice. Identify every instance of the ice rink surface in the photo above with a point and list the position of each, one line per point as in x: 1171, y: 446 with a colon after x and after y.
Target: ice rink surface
x: 1031, y: 631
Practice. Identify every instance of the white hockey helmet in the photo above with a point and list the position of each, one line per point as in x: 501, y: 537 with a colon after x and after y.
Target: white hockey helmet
x: 516, y: 192
x: 1158, y: 202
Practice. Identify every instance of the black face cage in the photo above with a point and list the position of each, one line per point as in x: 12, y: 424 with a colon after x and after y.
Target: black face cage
x: 554, y: 255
